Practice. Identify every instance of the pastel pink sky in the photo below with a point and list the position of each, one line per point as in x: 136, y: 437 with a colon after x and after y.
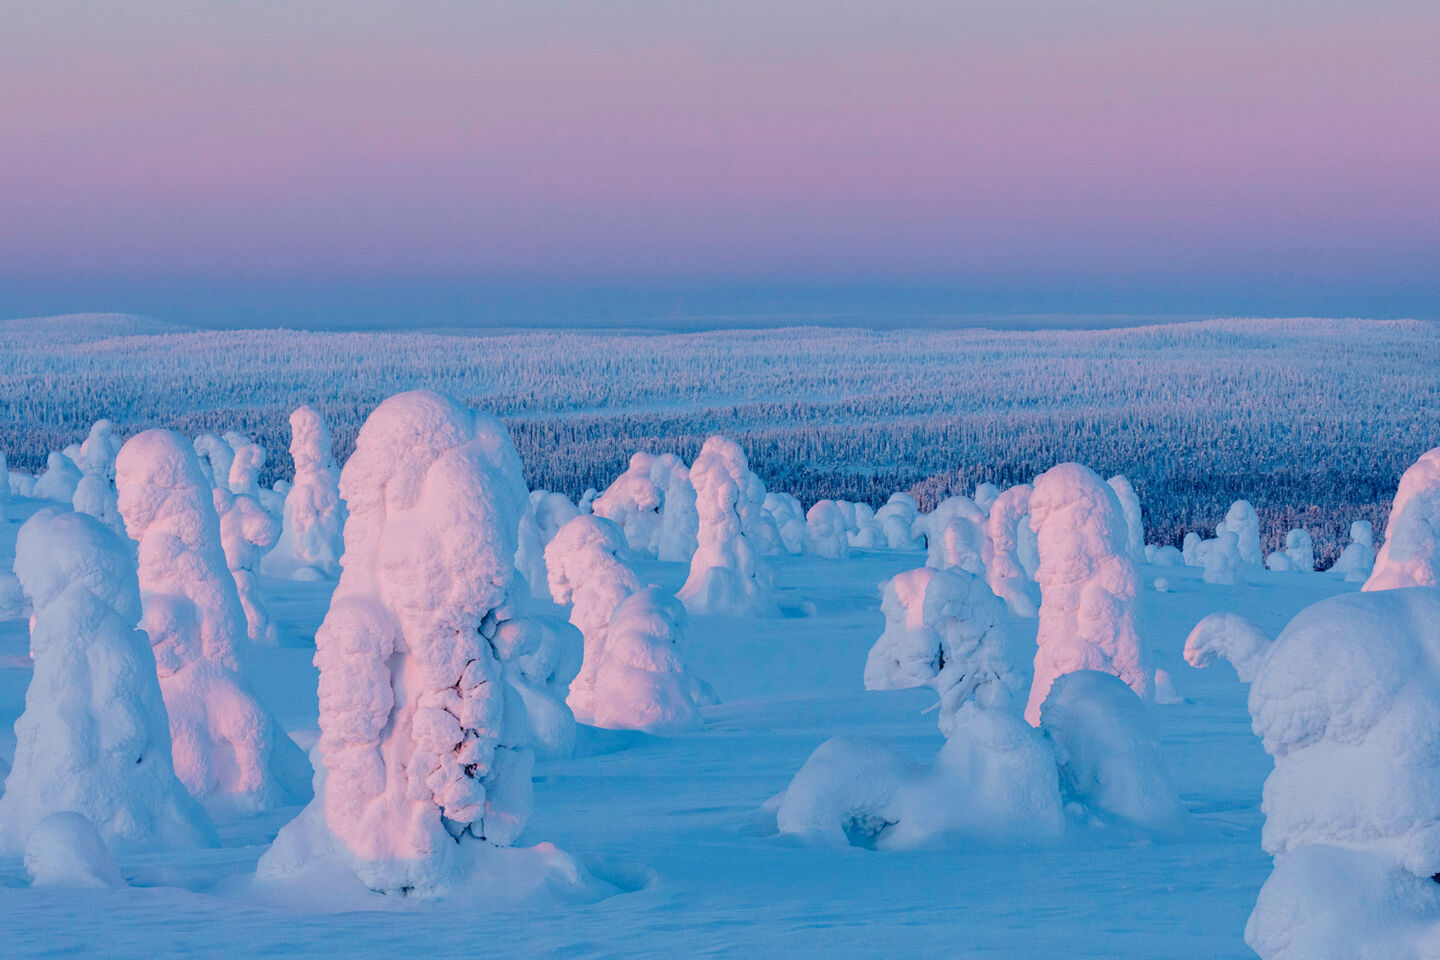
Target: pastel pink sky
x: 1278, y: 147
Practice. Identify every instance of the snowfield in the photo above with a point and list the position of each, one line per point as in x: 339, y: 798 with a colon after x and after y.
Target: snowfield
x: 676, y: 832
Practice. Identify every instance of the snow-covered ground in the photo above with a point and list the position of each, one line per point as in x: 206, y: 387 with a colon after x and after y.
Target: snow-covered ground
x: 677, y: 825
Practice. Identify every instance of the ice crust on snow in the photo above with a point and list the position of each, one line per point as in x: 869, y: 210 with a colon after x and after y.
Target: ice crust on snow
x: 1087, y: 585
x: 94, y: 738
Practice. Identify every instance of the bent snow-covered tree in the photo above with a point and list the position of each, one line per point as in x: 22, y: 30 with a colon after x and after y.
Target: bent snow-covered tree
x: 1008, y: 520
x: 426, y: 744
x: 1134, y: 517
x: 94, y: 738
x: 313, y: 529
x: 1410, y: 556
x: 1347, y: 702
x: 1087, y: 584
x: 727, y: 573
x: 229, y: 752
x: 632, y: 676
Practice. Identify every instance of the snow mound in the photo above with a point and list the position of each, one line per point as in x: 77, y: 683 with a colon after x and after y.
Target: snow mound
x: 1410, y: 556
x: 94, y: 738
x: 728, y: 574
x: 1108, y: 754
x: 65, y: 850
x: 431, y: 673
x: 312, y: 535
x: 1087, y: 584
x: 1347, y: 702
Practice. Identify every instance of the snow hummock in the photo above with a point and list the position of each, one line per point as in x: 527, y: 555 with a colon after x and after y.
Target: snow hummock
x: 94, y: 738
x: 65, y: 850
x: 228, y: 751
x: 1410, y: 556
x: 1347, y: 703
x: 728, y: 574
x: 430, y: 669
x: 1087, y: 584
x: 632, y: 676
x: 312, y: 534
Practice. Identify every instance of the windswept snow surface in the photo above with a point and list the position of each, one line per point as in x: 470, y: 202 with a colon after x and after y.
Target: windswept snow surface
x: 676, y: 824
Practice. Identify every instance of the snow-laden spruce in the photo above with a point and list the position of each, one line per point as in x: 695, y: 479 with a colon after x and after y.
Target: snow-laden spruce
x: 59, y: 480
x: 788, y: 516
x: 1087, y: 584
x: 634, y: 502
x: 312, y: 534
x: 1005, y: 526
x: 1221, y: 557
x: 216, y: 457
x: 994, y: 780
x: 247, y: 530
x: 1230, y: 636
x: 432, y: 676
x: 1357, y: 560
x: 863, y: 530
x: 1347, y: 703
x: 95, y: 492
x: 94, y: 738
x: 228, y: 751
x: 1410, y: 555
x: 1242, y: 520
x: 728, y: 574
x: 897, y: 520
x: 985, y: 494
x: 1134, y: 517
x: 632, y: 676
x: 954, y: 535
x: 4, y: 487
x: 552, y: 511
x: 1298, y: 555
x: 826, y: 533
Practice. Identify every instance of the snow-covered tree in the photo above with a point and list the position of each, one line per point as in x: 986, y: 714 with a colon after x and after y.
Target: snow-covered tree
x: 4, y: 486
x: 897, y: 519
x: 426, y: 748
x: 59, y: 480
x: 954, y: 535
x: 789, y: 519
x: 1347, y: 703
x: 632, y: 676
x: 248, y: 459
x: 228, y: 751
x: 1190, y: 549
x: 1009, y: 513
x: 1357, y: 560
x: 247, y: 530
x: 679, y: 518
x: 985, y: 494
x: 95, y: 492
x: 1087, y: 584
x: 1221, y: 557
x: 727, y: 574
x: 94, y: 737
x: 826, y: 534
x: 1230, y: 636
x: 1134, y: 518
x: 216, y: 457
x: 634, y: 501
x: 1242, y: 520
x: 312, y: 532
x: 1410, y: 555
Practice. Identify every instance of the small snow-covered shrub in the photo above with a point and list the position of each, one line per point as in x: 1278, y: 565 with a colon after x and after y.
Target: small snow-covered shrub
x: 312, y: 535
x: 59, y: 480
x: 1347, y: 702
x: 94, y: 737
x: 1087, y: 584
x: 1410, y: 556
x: 728, y: 575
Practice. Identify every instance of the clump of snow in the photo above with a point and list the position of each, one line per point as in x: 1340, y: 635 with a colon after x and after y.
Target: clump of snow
x: 1108, y: 753
x: 431, y: 672
x: 1087, y: 584
x: 728, y: 575
x: 825, y: 531
x: 943, y: 629
x: 1231, y: 636
x: 586, y: 503
x: 1007, y: 576
x: 59, y: 480
x: 1357, y: 560
x: 94, y: 738
x: 245, y: 465
x: 1347, y: 702
x: 1134, y: 518
x: 1162, y: 585
x: 632, y: 676
x: 1410, y: 556
x: 228, y: 751
x: 313, y: 527
x: 1222, y: 560
x: 1165, y: 692
x: 954, y: 535
x: 1242, y: 520
x: 65, y: 850
x: 897, y: 520
x: 789, y: 518
x: 1300, y: 548
x: 845, y: 793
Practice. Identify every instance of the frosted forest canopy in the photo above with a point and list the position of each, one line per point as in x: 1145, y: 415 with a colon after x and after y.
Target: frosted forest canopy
x: 1311, y: 420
